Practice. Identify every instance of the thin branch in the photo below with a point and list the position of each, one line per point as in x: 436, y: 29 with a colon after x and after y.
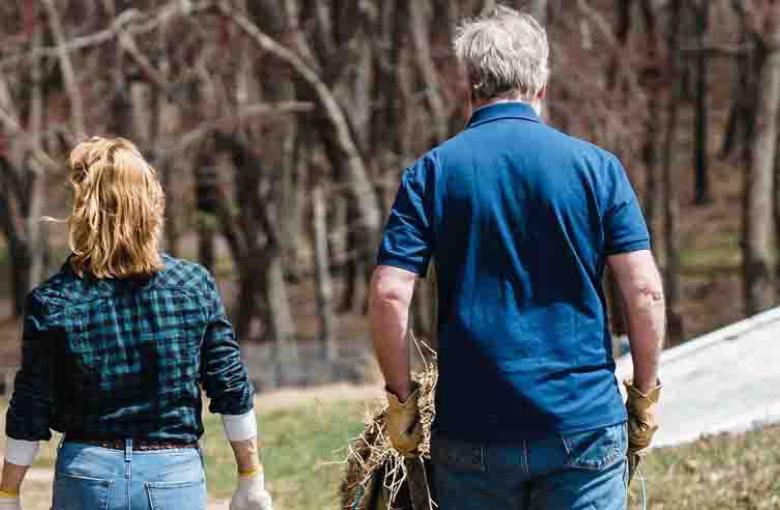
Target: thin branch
x: 727, y: 50
x: 10, y: 122
x: 130, y: 21
x: 193, y: 136
x: 66, y: 67
x: 128, y: 44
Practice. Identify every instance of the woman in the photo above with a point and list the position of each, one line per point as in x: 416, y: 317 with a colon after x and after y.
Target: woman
x: 115, y: 349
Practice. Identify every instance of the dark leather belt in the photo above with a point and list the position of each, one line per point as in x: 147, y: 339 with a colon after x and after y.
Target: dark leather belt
x: 139, y: 445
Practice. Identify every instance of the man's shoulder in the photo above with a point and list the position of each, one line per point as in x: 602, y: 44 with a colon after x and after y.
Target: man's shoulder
x: 571, y: 145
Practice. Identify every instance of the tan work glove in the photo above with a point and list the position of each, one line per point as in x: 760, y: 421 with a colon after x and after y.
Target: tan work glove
x: 641, y: 423
x: 403, y: 423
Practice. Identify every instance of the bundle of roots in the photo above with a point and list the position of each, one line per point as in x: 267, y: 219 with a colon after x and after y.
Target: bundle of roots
x: 379, y: 478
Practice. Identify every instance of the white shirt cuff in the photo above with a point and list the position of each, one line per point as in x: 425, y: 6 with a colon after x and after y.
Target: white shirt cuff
x: 240, y: 427
x: 20, y: 453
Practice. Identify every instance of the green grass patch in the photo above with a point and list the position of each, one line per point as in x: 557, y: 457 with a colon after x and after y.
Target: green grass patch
x: 712, y: 255
x: 302, y: 448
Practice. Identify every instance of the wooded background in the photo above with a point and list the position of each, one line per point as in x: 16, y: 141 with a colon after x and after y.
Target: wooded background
x: 280, y: 129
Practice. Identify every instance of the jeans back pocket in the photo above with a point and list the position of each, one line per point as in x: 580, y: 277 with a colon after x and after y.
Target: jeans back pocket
x: 596, y: 449
x: 177, y: 495
x: 79, y: 492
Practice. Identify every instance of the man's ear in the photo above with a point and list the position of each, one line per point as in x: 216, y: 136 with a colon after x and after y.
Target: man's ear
x: 542, y: 95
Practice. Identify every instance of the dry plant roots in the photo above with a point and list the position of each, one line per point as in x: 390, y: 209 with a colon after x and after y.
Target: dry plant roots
x: 379, y: 478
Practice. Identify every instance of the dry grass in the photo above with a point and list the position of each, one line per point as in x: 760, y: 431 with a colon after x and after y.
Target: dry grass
x: 724, y: 472
x: 373, y: 466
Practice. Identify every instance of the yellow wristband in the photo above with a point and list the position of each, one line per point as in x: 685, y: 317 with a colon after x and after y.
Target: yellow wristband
x: 250, y: 474
x: 8, y: 494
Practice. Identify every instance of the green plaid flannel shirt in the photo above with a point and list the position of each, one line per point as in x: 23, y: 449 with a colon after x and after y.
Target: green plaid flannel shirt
x: 114, y: 359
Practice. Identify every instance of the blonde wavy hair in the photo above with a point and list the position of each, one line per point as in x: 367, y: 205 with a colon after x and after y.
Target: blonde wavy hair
x: 118, y: 208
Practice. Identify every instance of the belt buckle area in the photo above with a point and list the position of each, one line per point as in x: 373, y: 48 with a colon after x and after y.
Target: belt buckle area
x: 139, y: 445
x: 160, y: 445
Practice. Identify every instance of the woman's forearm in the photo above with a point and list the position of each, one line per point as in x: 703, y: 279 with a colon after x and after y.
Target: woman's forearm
x: 241, y: 432
x: 247, y: 458
x: 13, y: 475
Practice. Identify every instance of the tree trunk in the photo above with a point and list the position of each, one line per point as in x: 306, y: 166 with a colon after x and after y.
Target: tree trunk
x: 322, y: 272
x: 206, y: 233
x: 279, y: 324
x: 671, y: 212
x: 758, y: 215
x: 19, y: 249
x: 36, y: 184
x: 654, y: 85
x: 701, y: 133
x: 421, y: 42
x: 622, y: 31
x: 738, y: 134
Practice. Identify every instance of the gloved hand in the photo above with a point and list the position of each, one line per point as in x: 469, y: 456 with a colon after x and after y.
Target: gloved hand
x: 403, y: 423
x: 251, y: 493
x: 641, y: 423
x: 9, y: 501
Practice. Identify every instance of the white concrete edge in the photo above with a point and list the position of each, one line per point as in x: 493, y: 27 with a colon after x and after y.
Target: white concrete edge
x: 725, y: 334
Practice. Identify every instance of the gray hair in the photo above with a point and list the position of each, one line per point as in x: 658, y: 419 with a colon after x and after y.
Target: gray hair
x: 504, y: 52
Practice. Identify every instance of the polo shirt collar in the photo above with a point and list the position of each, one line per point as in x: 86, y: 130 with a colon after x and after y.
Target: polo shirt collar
x: 508, y: 110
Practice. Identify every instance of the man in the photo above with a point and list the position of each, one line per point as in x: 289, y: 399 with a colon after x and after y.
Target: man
x: 521, y: 221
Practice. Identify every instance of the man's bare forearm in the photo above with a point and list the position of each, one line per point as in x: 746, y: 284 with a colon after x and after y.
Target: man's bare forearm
x: 646, y: 329
x: 641, y: 291
x: 391, y: 294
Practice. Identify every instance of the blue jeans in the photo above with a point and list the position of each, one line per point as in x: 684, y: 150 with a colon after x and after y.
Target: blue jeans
x: 580, y: 471
x: 95, y: 478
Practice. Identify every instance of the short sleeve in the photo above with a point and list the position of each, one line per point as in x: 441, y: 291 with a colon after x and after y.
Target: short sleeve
x: 407, y: 242
x: 625, y: 229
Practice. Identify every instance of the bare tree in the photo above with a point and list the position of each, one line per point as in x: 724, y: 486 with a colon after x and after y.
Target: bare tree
x: 758, y: 269
x: 322, y: 272
x: 671, y: 210
x: 701, y: 193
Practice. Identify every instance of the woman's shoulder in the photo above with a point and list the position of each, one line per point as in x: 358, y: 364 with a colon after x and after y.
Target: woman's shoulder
x: 59, y: 289
x: 178, y: 272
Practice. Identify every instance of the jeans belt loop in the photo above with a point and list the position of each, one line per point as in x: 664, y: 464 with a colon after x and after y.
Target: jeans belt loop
x: 128, y: 450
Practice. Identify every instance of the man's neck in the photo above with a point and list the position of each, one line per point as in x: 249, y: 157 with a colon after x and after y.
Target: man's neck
x: 481, y: 103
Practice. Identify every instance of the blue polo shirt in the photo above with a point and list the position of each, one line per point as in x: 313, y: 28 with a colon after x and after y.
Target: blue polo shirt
x: 519, y: 219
